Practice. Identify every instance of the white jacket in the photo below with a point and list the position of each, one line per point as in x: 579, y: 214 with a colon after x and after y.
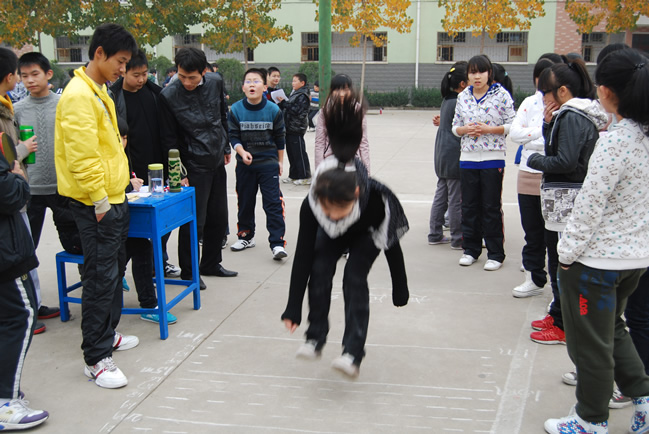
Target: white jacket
x: 609, y: 225
x: 527, y: 129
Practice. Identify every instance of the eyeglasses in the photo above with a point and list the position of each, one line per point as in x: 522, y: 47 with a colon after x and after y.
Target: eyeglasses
x: 255, y: 82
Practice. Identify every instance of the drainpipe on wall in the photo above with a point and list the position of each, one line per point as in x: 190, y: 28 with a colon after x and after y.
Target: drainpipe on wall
x: 417, y: 45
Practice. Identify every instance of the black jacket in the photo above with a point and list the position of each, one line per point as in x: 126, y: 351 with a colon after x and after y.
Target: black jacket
x: 569, y: 142
x: 296, y: 111
x: 195, y: 122
x: 17, y: 256
x: 154, y: 155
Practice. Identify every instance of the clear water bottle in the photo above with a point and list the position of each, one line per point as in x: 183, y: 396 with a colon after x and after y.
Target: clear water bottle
x: 156, y: 179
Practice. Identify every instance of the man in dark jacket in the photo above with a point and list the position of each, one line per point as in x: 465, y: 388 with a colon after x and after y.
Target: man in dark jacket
x: 296, y: 111
x: 193, y: 119
x: 18, y: 300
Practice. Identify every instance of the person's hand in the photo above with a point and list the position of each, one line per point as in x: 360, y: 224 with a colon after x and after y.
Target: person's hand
x: 548, y: 110
x: 246, y: 157
x: 436, y: 120
x: 481, y: 128
x: 137, y: 183
x: 280, y: 99
x: 17, y: 170
x: 31, y: 144
x: 290, y: 325
x: 281, y: 168
x: 472, y: 130
x: 100, y: 216
x: 184, y: 182
x: 227, y: 158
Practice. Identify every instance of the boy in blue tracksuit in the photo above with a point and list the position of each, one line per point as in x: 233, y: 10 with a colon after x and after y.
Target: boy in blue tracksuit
x: 256, y: 130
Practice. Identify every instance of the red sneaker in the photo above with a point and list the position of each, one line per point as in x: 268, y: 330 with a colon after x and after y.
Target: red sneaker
x: 550, y: 336
x: 542, y: 324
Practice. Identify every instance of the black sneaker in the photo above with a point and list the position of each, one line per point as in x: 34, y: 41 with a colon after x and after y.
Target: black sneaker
x: 40, y: 328
x: 45, y: 312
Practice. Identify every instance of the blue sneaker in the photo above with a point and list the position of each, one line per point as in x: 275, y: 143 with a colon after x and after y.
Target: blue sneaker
x: 154, y: 317
x: 125, y: 285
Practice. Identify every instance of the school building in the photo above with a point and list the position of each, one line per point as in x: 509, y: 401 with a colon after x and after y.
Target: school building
x: 418, y: 58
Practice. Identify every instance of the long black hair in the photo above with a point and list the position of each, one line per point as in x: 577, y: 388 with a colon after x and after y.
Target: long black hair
x: 501, y: 76
x: 453, y: 78
x: 626, y: 74
x: 572, y: 74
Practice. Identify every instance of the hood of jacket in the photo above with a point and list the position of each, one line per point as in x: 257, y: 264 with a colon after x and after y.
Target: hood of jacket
x: 591, y: 108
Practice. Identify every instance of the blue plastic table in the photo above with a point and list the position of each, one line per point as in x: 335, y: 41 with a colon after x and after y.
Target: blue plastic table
x: 152, y: 217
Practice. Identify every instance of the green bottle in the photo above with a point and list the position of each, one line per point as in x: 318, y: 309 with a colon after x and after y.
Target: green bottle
x: 174, y: 171
x: 26, y: 132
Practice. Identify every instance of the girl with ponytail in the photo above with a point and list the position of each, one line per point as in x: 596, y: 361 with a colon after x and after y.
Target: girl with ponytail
x: 604, y: 251
x: 345, y: 210
x: 448, y: 195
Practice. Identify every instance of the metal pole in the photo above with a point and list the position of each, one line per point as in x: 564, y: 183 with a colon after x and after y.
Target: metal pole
x: 324, y: 48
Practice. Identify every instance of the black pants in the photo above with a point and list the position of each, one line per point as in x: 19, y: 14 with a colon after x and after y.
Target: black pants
x: 104, y: 260
x: 482, y: 212
x: 266, y: 179
x: 140, y: 252
x: 211, y: 221
x: 637, y: 319
x: 551, y: 241
x: 598, y: 344
x: 62, y: 216
x: 17, y: 322
x: 312, y: 114
x: 534, y: 227
x: 297, y: 157
x: 362, y: 254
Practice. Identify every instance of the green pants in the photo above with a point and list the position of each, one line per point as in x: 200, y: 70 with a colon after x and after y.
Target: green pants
x: 592, y: 302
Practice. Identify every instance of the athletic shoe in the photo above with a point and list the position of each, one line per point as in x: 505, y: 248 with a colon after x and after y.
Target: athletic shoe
x: 640, y: 421
x: 308, y: 350
x: 492, y: 265
x: 224, y: 243
x: 444, y: 240
x: 618, y: 400
x: 40, y: 328
x: 124, y: 342
x: 458, y: 247
x: 522, y: 268
x: 550, y: 336
x: 306, y: 181
x: 15, y: 415
x: 346, y: 365
x: 527, y: 288
x: 542, y: 324
x: 574, y: 425
x: 287, y: 180
x: 467, y: 260
x: 171, y: 270
x: 279, y: 253
x: 125, y: 286
x: 45, y: 312
x: 106, y: 374
x: 570, y: 378
x: 241, y: 244
x: 154, y: 317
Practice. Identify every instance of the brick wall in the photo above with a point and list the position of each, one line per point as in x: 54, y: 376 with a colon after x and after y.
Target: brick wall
x: 566, y: 38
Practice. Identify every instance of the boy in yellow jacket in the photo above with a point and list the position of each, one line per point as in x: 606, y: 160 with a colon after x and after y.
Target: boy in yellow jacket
x: 92, y: 170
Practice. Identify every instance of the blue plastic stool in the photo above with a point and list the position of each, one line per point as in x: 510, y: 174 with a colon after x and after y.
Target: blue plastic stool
x: 64, y: 289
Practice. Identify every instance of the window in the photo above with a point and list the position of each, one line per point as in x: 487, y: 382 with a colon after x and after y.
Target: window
x: 73, y: 49
x: 342, y: 51
x: 310, y: 47
x: 587, y: 53
x: 594, y: 38
x: 640, y: 41
x: 504, y: 47
x: 445, y: 53
x: 444, y: 38
x: 511, y: 38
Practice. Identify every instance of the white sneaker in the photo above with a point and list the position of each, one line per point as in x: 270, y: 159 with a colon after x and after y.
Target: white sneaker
x: 527, y: 288
x: 240, y: 245
x: 346, y: 365
x: 569, y: 378
x: 640, y: 419
x: 287, y: 180
x: 467, y: 260
x: 15, y: 415
x: 574, y: 424
x: 279, y: 253
x: 308, y: 350
x: 306, y: 181
x: 492, y: 265
x: 106, y: 374
x: 124, y: 342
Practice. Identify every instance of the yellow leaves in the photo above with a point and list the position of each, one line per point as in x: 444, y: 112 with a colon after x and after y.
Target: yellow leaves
x: 619, y: 15
x: 367, y: 16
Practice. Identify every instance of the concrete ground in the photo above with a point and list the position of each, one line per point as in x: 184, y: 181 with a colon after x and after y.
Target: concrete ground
x: 457, y: 358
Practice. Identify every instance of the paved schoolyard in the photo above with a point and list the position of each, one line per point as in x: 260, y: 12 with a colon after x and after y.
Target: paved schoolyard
x: 457, y: 358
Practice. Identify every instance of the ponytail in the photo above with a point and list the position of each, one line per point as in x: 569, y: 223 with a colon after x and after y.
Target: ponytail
x: 343, y: 116
x: 573, y: 75
x: 626, y: 74
x: 501, y: 76
x: 453, y: 78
